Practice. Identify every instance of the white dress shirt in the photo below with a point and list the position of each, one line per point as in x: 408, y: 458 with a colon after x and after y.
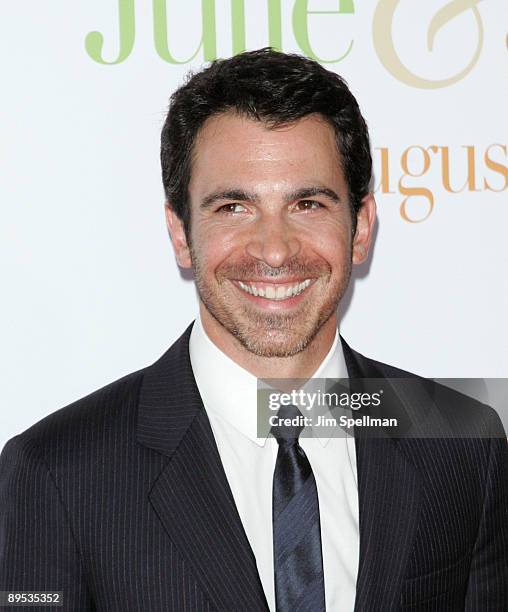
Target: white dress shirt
x: 229, y: 395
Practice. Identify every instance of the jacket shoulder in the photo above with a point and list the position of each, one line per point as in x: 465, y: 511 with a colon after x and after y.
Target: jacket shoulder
x: 387, y: 370
x: 464, y: 414
x: 103, y: 409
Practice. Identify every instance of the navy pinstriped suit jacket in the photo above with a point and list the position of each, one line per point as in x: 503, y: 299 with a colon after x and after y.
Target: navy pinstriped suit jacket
x: 120, y: 501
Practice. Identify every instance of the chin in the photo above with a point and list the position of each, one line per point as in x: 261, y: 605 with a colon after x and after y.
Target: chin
x: 274, y: 343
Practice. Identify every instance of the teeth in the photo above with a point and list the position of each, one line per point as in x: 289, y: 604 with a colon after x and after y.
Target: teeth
x: 276, y: 293
x: 280, y: 293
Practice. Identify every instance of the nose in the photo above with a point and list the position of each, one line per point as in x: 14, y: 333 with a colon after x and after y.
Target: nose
x: 273, y: 241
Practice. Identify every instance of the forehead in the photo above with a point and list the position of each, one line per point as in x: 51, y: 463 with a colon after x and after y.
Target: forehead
x: 230, y: 148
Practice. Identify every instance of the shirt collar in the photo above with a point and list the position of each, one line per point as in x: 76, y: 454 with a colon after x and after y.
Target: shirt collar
x: 230, y: 392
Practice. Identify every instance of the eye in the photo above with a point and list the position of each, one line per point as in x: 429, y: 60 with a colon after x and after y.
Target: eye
x: 308, y: 205
x: 232, y: 208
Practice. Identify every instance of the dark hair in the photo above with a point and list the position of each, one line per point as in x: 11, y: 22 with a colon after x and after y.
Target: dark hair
x: 270, y: 86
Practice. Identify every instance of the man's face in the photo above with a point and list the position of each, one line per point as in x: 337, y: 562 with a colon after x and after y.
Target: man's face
x: 271, y: 242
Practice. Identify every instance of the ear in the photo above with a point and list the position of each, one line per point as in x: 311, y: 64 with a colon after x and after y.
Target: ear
x: 178, y: 238
x: 364, y: 226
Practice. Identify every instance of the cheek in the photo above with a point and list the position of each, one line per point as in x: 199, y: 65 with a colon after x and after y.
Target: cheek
x: 332, y: 242
x: 213, y: 245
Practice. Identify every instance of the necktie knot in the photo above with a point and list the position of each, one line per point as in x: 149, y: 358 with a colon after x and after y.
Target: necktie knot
x: 289, y: 425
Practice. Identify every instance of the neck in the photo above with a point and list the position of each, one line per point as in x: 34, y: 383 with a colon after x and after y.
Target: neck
x: 301, y: 365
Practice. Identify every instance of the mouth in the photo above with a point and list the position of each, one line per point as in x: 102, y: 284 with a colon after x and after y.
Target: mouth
x: 274, y: 292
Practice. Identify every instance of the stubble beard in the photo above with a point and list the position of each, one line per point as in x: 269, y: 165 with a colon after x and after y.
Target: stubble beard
x: 270, y: 334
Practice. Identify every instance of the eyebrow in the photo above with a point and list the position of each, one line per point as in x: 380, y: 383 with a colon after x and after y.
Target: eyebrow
x: 240, y: 195
x: 310, y: 192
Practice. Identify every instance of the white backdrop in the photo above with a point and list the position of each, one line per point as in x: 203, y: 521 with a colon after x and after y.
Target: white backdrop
x: 90, y: 288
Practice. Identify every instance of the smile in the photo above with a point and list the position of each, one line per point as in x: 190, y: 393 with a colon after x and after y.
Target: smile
x: 276, y: 292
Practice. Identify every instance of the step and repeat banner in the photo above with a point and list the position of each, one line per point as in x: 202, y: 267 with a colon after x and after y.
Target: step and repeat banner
x: 90, y: 287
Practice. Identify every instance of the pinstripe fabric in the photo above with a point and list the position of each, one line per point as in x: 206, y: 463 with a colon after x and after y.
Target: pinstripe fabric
x: 433, y: 512
x: 120, y: 500
x: 96, y: 502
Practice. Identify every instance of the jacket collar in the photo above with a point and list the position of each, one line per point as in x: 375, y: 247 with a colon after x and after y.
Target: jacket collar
x: 169, y: 399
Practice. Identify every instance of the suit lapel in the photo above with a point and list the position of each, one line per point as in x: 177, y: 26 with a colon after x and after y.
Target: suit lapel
x: 389, y: 502
x: 191, y: 496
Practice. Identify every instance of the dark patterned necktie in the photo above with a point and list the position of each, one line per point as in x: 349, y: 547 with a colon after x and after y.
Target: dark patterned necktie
x: 298, y: 561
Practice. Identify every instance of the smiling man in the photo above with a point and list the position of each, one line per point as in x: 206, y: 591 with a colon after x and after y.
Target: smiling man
x: 157, y: 492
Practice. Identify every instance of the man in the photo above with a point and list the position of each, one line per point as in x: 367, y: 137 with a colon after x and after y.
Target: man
x: 155, y: 493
